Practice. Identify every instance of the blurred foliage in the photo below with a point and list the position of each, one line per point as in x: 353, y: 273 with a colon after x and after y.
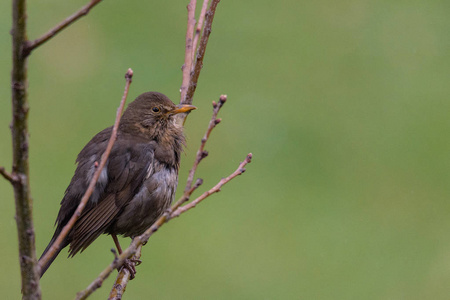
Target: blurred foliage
x: 343, y: 105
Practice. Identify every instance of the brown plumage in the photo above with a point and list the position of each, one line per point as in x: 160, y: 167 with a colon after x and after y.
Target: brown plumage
x: 138, y: 182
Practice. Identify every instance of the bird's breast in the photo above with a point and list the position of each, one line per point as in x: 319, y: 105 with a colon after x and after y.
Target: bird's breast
x: 150, y: 202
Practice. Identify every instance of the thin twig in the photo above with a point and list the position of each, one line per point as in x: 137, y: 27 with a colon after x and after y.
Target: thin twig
x: 122, y: 279
x: 10, y: 177
x: 186, y: 195
x: 142, y: 239
x: 31, y: 45
x: 200, y: 53
x: 215, y: 189
x: 57, y: 244
x: 201, y: 153
x: 188, y: 50
x: 198, y: 30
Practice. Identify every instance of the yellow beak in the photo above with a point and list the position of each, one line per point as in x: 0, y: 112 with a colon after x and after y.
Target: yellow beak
x: 181, y: 108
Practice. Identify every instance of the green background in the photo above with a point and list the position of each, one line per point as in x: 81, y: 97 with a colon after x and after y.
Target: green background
x: 342, y: 104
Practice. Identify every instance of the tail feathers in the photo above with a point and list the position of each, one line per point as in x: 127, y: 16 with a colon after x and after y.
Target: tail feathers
x: 50, y: 261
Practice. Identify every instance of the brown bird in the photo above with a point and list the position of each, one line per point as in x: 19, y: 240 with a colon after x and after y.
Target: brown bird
x: 138, y: 182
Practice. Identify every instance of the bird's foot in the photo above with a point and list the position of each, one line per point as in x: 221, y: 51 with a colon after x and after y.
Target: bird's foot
x: 130, y: 265
x: 136, y: 261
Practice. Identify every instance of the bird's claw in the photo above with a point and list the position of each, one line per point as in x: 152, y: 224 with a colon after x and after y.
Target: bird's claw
x: 130, y: 265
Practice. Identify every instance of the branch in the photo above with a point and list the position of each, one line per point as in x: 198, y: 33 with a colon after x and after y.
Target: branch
x: 215, y: 189
x: 57, y: 244
x: 19, y: 176
x: 142, y: 239
x: 198, y: 30
x: 30, y: 46
x: 201, y: 153
x: 10, y: 177
x: 122, y: 279
x: 20, y: 164
x: 191, y: 72
x: 200, y: 53
x: 188, y: 51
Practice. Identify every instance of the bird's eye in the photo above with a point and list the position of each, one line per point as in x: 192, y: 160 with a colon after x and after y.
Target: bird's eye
x: 155, y: 109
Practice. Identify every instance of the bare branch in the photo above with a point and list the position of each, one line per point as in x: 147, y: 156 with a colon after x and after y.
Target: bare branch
x: 199, y: 27
x: 142, y: 239
x: 200, y: 53
x: 10, y: 177
x: 20, y: 165
x: 201, y: 153
x: 122, y: 279
x: 188, y: 51
x: 30, y: 46
x: 188, y: 194
x: 215, y: 189
x: 57, y: 244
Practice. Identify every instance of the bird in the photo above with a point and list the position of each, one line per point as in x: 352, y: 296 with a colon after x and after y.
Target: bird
x: 138, y: 182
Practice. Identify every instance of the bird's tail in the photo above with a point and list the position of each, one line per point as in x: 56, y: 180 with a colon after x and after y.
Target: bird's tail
x: 50, y: 261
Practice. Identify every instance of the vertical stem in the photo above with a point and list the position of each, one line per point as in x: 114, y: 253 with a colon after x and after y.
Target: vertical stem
x: 188, y: 59
x: 19, y: 127
x: 200, y: 53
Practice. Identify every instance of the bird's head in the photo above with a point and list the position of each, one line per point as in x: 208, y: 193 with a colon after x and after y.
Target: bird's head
x: 152, y: 114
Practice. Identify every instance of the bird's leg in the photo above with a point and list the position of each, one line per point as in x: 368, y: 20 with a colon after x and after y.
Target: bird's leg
x: 116, y: 242
x: 130, y: 264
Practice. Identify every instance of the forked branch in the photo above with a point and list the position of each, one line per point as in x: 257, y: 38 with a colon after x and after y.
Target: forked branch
x: 8, y: 176
x: 20, y: 161
x: 31, y: 45
x: 200, y: 53
x: 201, y: 153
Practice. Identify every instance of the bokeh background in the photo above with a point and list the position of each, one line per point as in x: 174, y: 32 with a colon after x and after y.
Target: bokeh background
x: 343, y: 104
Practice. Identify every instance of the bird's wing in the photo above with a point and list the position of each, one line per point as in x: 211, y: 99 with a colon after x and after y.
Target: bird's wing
x: 90, y: 154
x: 126, y: 169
